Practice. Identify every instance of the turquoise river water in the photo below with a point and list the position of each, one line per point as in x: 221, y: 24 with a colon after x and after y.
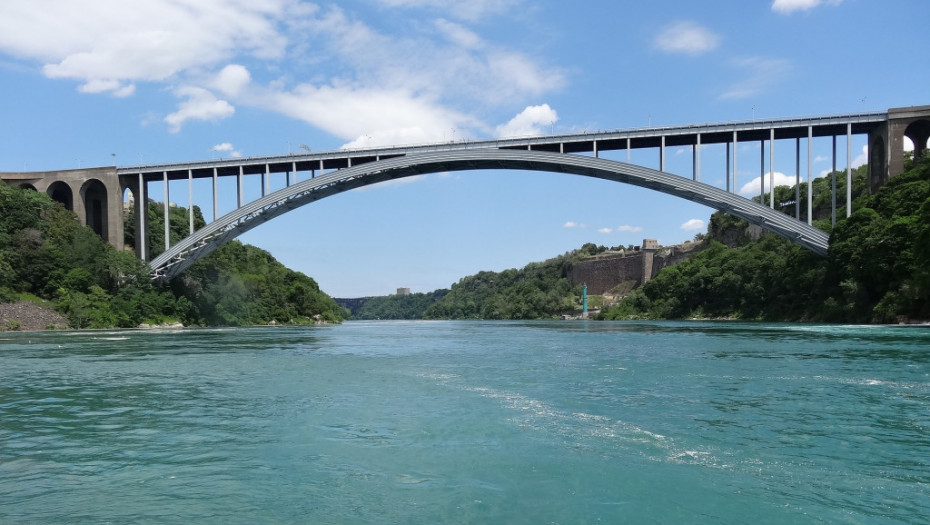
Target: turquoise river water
x: 468, y: 422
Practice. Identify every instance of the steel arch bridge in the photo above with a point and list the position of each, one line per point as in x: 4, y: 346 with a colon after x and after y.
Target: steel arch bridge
x: 180, y: 256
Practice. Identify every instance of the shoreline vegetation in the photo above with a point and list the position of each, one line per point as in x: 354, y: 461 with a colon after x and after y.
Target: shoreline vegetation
x: 55, y: 273
x: 49, y: 260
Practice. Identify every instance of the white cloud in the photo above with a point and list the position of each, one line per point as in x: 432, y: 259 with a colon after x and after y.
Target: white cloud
x: 862, y: 158
x: 572, y: 224
x: 227, y: 148
x: 471, y: 10
x: 628, y: 228
x: 458, y: 34
x: 232, y: 79
x: 786, y: 7
x: 200, y: 105
x: 605, y: 230
x: 530, y: 121
x: 389, y: 89
x: 115, y: 87
x: 369, y: 117
x: 686, y: 37
x: 764, y: 73
x: 116, y: 41
x: 753, y: 187
x: 693, y: 224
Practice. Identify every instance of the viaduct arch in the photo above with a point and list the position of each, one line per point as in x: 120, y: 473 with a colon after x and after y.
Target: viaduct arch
x: 93, y: 194
x: 886, y: 142
x: 179, y: 257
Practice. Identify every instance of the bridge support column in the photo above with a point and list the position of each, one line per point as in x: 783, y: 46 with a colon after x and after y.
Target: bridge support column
x: 810, y: 169
x: 167, y: 216
x: 735, y: 166
x: 190, y: 200
x: 886, y: 142
x: 797, y: 178
x: 136, y: 185
x: 696, y: 159
x: 772, y: 168
x: 848, y: 170
x: 762, y: 172
x: 833, y: 187
x: 216, y: 195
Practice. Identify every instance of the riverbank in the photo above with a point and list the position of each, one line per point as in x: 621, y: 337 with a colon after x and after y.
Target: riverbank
x: 25, y: 316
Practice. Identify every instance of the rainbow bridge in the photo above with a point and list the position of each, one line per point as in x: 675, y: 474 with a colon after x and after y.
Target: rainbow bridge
x: 95, y: 194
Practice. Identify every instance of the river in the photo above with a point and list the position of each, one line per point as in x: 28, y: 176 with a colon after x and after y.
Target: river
x: 468, y: 422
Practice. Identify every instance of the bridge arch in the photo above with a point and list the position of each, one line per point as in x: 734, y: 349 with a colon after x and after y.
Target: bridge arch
x: 176, y: 259
x: 919, y: 132
x: 94, y: 196
x: 61, y: 192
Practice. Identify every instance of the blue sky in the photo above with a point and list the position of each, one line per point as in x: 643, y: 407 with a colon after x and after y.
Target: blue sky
x: 98, y: 82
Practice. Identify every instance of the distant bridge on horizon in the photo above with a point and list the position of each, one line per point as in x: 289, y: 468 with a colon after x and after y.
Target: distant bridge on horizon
x: 95, y: 194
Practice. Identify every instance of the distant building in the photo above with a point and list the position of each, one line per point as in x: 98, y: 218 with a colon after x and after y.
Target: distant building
x: 403, y: 291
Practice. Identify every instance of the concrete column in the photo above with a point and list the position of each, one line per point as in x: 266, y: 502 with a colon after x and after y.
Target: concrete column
x: 662, y: 155
x: 167, y: 221
x: 190, y: 200
x: 810, y: 169
x: 728, y: 167
x: 797, y: 178
x: 848, y: 169
x: 216, y: 196
x: 735, y: 165
x: 628, y: 150
x: 833, y: 186
x: 142, y: 220
x: 696, y: 160
x: 239, y: 187
x: 772, y: 168
x: 762, y: 172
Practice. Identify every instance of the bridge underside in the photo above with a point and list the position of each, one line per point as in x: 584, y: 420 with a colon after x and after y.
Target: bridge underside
x: 179, y: 257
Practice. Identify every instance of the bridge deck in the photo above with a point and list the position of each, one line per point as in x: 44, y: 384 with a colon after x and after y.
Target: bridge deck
x: 650, y: 137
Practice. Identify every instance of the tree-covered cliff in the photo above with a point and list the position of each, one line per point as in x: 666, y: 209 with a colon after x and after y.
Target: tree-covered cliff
x: 877, y: 268
x: 45, y: 253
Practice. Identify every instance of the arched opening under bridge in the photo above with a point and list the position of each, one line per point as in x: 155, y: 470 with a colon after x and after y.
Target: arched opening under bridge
x: 94, y: 195
x: 60, y: 192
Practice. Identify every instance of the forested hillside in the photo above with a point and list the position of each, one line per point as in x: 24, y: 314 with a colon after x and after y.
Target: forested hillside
x: 540, y: 290
x: 46, y: 254
x: 877, y: 269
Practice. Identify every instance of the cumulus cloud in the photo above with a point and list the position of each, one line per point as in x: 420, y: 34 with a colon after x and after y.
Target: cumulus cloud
x: 399, y: 88
x: 605, y: 230
x: 693, y: 225
x: 114, y: 87
x: 232, y: 79
x: 200, y: 105
x: 572, y: 224
x: 530, y: 121
x: 686, y: 37
x: 226, y: 149
x: 114, y: 41
x: 754, y: 186
x: 787, y: 7
x: 763, y: 73
x: 628, y: 228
